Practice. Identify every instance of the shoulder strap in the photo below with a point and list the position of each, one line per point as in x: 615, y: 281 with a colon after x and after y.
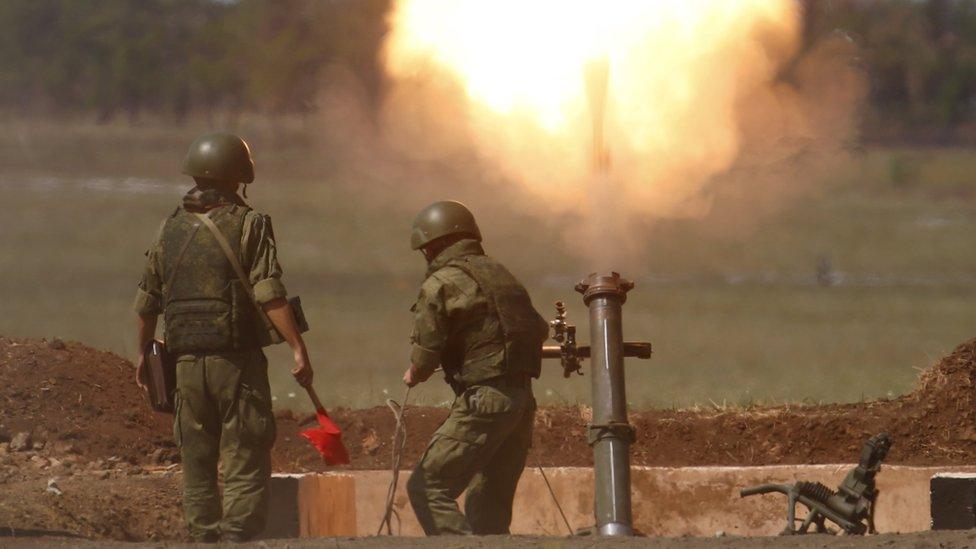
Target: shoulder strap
x: 236, y: 264
x: 231, y: 256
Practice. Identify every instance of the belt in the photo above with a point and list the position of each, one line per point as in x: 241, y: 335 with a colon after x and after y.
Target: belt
x: 517, y: 381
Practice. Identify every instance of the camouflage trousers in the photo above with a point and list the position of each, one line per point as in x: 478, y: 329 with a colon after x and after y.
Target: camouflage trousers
x: 223, y: 413
x: 482, y: 446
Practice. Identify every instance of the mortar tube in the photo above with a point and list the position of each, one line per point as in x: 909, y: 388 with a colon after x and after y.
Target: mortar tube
x: 610, y: 433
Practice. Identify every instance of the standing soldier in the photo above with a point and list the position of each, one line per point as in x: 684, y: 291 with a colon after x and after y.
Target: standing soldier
x: 214, y: 327
x: 474, y: 319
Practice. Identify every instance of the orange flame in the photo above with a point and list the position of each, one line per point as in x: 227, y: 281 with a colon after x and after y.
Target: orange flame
x: 507, y: 76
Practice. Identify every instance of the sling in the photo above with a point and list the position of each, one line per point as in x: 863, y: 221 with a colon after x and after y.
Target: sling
x: 270, y: 335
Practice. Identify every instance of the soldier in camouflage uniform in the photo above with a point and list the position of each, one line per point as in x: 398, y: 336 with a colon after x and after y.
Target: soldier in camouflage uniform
x: 223, y: 401
x: 474, y: 319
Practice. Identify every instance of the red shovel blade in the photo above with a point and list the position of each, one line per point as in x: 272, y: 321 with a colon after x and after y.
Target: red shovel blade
x: 327, y: 439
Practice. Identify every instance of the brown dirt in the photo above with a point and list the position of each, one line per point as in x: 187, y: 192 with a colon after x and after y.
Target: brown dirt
x: 125, y: 508
x: 934, y: 425
x: 79, y: 400
x: 97, y: 434
x: 957, y: 539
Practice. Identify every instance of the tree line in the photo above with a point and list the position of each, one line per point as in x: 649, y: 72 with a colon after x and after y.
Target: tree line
x: 177, y: 57
x: 112, y: 58
x: 920, y: 58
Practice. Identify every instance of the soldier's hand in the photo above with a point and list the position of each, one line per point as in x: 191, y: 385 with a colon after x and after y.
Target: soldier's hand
x: 408, y: 377
x: 413, y: 376
x: 302, y: 371
x: 141, y: 373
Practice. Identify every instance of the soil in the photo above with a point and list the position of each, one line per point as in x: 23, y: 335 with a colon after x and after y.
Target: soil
x: 113, y: 459
x: 78, y: 401
x: 123, y: 508
x: 933, y: 425
x: 925, y: 540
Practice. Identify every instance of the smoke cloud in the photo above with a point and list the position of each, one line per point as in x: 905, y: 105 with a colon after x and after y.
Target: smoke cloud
x: 713, y: 113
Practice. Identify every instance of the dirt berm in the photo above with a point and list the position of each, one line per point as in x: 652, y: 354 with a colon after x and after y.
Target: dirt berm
x: 75, y: 400
x: 77, y: 440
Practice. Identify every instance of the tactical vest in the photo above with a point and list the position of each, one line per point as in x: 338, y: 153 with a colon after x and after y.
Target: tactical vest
x: 522, y: 330
x: 205, y: 307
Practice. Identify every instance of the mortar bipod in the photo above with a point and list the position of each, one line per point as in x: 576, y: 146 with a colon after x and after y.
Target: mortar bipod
x: 570, y: 354
x: 849, y: 506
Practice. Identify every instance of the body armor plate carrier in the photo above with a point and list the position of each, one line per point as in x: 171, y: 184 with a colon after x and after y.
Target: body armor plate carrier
x: 206, y: 310
x: 523, y: 328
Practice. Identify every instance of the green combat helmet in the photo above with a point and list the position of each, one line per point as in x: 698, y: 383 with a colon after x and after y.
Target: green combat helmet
x: 442, y: 219
x: 220, y: 156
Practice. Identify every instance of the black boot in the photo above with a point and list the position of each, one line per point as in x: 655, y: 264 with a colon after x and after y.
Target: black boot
x: 234, y: 537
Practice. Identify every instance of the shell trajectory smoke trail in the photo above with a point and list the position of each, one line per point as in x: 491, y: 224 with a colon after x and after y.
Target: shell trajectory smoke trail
x: 692, y: 84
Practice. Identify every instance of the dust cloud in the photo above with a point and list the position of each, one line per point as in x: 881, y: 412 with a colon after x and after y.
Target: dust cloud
x: 715, y: 112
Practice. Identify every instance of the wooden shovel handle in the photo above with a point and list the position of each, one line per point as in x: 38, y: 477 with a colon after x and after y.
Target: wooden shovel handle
x: 315, y: 398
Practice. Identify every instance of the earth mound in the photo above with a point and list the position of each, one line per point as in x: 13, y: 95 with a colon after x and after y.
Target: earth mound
x: 933, y: 425
x: 72, y: 421
x: 74, y: 400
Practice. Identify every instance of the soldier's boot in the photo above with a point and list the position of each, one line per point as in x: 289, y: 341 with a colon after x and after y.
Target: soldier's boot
x: 234, y: 538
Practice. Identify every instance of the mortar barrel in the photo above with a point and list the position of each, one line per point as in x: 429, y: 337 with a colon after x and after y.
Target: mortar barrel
x: 610, y: 434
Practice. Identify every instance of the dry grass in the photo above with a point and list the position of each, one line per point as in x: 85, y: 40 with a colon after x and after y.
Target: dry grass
x: 735, y: 324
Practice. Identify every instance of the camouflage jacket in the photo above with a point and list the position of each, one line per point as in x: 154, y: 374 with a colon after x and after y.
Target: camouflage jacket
x: 456, y: 325
x: 259, y: 255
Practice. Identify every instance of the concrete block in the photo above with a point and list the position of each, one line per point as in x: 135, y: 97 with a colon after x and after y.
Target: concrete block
x: 328, y: 506
x: 311, y: 505
x: 667, y: 501
x: 953, y: 497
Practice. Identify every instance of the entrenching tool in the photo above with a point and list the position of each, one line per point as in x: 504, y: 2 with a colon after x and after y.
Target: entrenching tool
x: 610, y: 434
x: 848, y: 507
x: 327, y: 438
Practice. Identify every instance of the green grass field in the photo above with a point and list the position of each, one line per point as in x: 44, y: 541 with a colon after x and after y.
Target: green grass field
x: 733, y: 320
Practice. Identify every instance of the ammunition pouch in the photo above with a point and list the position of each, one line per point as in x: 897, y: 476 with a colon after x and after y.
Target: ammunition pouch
x: 619, y: 431
x: 199, y: 325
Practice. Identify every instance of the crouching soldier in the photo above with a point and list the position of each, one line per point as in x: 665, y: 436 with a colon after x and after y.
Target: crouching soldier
x: 474, y: 319
x: 211, y: 269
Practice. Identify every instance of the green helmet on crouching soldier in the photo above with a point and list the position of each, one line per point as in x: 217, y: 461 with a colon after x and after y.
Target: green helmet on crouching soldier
x: 442, y: 219
x: 220, y: 156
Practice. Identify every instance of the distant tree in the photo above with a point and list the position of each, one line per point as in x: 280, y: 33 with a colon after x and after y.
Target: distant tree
x: 176, y: 57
